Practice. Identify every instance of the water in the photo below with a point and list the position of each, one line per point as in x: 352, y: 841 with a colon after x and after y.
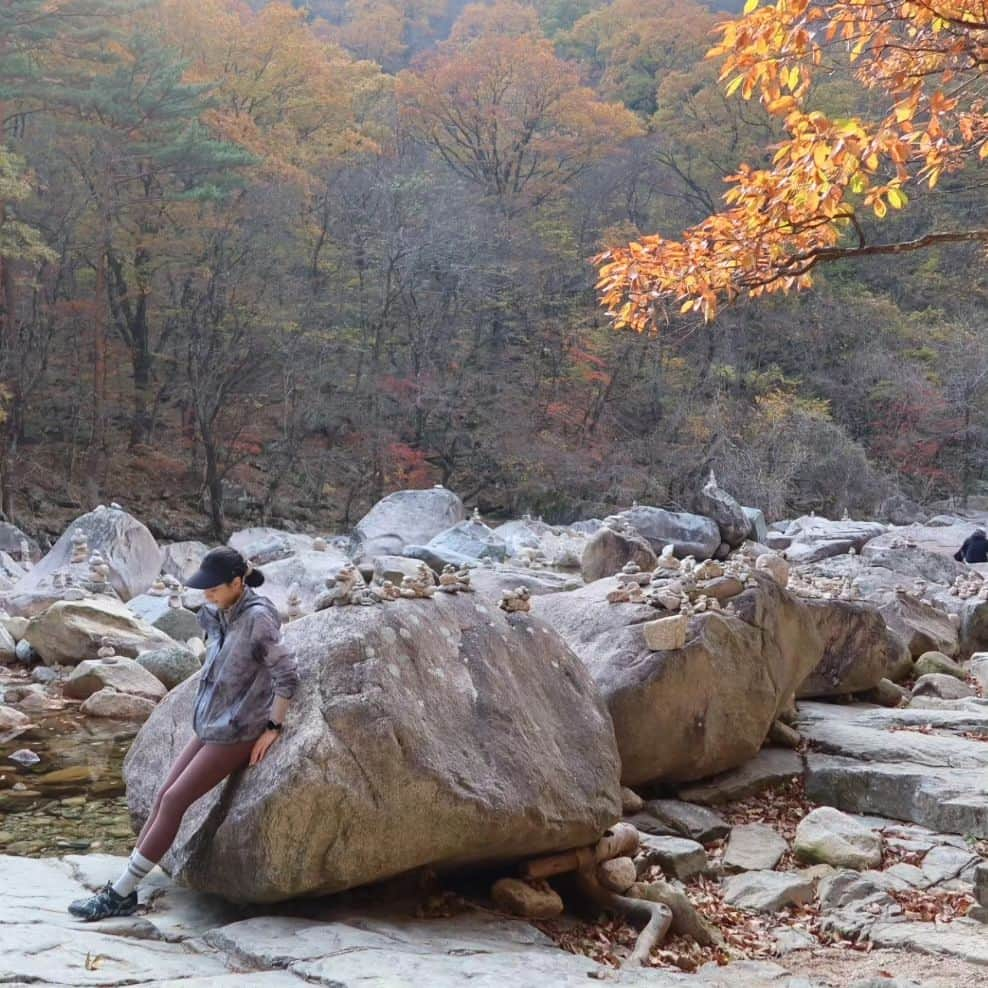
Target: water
x: 71, y: 801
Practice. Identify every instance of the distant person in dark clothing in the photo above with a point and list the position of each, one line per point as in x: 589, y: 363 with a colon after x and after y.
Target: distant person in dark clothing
x: 975, y: 548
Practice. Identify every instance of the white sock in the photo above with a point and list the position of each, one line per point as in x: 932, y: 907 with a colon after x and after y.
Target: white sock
x: 137, y: 868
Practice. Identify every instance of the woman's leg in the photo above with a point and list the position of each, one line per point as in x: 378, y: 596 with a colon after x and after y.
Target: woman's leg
x: 183, y: 759
x: 209, y: 766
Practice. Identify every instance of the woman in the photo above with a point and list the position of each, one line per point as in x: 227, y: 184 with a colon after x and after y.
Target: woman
x: 974, y: 549
x: 246, y: 682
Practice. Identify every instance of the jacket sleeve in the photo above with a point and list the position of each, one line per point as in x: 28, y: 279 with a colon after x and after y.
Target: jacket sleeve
x: 271, y: 650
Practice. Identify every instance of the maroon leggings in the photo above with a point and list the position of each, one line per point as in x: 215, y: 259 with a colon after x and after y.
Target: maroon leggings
x: 200, y: 766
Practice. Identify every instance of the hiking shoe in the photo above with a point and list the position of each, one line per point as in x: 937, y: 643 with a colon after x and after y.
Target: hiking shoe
x: 105, y: 903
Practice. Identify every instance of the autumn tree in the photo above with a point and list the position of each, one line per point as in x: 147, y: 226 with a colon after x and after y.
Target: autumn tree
x: 923, y: 60
x: 509, y: 116
x: 632, y: 45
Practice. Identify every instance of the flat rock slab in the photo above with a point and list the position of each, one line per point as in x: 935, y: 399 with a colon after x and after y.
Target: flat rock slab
x: 768, y: 768
x: 687, y: 819
x: 964, y: 939
x: 677, y: 856
x: 36, y: 952
x: 766, y: 891
x: 754, y: 847
x: 946, y: 800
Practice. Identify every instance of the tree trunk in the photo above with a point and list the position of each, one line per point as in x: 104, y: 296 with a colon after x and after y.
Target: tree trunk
x: 214, y: 485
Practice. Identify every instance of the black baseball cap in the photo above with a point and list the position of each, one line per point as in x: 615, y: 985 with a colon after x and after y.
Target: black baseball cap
x: 218, y: 566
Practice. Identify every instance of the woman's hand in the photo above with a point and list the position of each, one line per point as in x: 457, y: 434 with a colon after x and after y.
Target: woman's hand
x: 261, y: 746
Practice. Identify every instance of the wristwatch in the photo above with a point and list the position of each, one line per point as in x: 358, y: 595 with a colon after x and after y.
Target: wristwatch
x: 272, y: 726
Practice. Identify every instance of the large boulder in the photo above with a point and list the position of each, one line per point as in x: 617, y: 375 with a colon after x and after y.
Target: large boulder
x: 305, y: 571
x: 758, y: 531
x: 689, y: 535
x: 466, y: 542
x: 178, y: 623
x: 858, y: 650
x: 707, y: 707
x: 403, y: 518
x: 117, y: 673
x: 127, y: 546
x: 263, y: 545
x: 901, y: 510
x: 71, y: 630
x: 492, y: 581
x: 18, y: 545
x: 814, y: 539
x: 714, y: 502
x: 922, y: 627
x: 171, y: 665
x: 608, y: 550
x: 911, y: 561
x: 523, y: 533
x: 471, y: 736
x: 182, y: 559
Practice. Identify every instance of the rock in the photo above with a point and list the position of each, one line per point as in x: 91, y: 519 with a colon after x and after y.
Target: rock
x: 525, y: 533
x: 403, y: 518
x: 181, y: 559
x: 687, y: 819
x: 25, y: 653
x: 305, y: 571
x: 775, y: 566
x: 754, y: 847
x: 617, y: 874
x: 263, y: 545
x: 492, y: 581
x: 127, y: 546
x: 8, y: 647
x: 768, y: 768
x: 631, y: 802
x: 828, y: 836
x: 608, y: 550
x: 978, y: 669
x: 945, y: 687
x: 171, y: 665
x: 964, y: 939
x: 690, y: 713
x: 858, y: 649
x: 13, y: 540
x: 911, y: 561
x: 178, y: 623
x: 676, y: 856
x: 901, y: 510
x: 465, y: 544
x: 686, y: 920
x: 777, y: 541
x: 690, y: 535
x: 387, y: 696
x: 766, y: 891
x: 923, y: 628
x: 944, y: 799
x: 781, y: 734
x: 758, y: 530
x: 72, y: 630
x: 394, y: 568
x: 11, y: 718
x: 16, y: 626
x: 522, y: 899
x: 788, y: 941
x: 886, y: 693
x: 119, y: 673
x: 24, y: 756
x: 44, y: 674
x: 122, y: 706
x: 981, y: 883
x: 714, y: 502
x: 666, y: 634
x: 944, y: 863
x: 937, y: 662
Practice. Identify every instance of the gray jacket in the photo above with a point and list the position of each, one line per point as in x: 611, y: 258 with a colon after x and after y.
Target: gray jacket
x: 246, y: 665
